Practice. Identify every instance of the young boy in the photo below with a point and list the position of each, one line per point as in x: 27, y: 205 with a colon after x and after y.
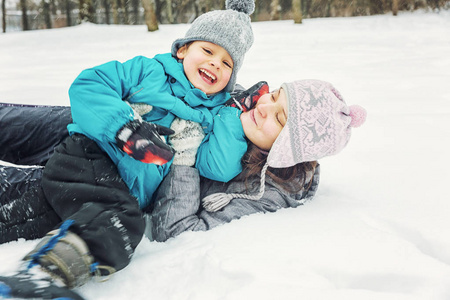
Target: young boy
x: 190, y: 83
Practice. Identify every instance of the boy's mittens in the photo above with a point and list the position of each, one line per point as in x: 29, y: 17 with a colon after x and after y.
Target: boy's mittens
x: 142, y: 141
x: 185, y: 141
x: 247, y: 99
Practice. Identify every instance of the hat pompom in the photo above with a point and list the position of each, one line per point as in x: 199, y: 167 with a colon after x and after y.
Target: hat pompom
x: 358, y: 115
x: 245, y: 6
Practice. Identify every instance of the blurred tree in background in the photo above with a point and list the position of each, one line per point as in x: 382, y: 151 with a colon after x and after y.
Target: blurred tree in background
x: 150, y: 16
x: 23, y: 7
x: 297, y: 11
x: 4, y: 15
x: 45, y: 14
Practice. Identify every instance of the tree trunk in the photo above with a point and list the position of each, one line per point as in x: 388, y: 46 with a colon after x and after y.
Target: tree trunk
x: 297, y: 11
x: 107, y: 8
x: 4, y: 15
x: 274, y: 10
x: 328, y: 12
x: 169, y: 11
x: 203, y: 6
x: 47, y: 15
x: 86, y: 11
x: 150, y: 16
x: 135, y: 4
x: 115, y: 11
x: 53, y: 7
x: 436, y: 4
x: 158, y: 13
x: 196, y: 9
x: 68, y: 15
x: 394, y: 7
x: 255, y: 14
x: 125, y: 17
x: 23, y: 4
x: 306, y: 6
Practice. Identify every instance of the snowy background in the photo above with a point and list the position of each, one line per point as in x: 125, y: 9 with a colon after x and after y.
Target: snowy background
x: 379, y: 227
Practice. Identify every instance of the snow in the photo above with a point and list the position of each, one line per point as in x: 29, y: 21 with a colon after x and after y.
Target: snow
x: 379, y: 227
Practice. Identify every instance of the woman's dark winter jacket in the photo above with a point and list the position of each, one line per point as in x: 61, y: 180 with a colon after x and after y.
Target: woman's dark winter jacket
x: 178, y: 201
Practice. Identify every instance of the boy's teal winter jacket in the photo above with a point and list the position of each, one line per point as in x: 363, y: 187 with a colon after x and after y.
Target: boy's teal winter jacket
x: 99, y: 96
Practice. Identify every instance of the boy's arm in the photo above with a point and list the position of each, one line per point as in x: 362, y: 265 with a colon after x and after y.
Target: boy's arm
x: 219, y: 156
x: 97, y: 94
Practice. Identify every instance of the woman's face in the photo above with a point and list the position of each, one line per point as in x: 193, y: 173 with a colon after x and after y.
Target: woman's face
x: 264, y: 122
x: 207, y: 66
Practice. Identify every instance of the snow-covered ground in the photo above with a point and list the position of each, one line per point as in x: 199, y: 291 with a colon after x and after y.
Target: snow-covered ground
x: 379, y: 227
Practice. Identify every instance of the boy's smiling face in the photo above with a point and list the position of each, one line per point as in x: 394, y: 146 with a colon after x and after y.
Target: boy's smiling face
x: 207, y: 66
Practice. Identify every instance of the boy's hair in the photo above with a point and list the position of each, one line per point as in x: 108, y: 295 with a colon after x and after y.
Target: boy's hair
x: 230, y: 29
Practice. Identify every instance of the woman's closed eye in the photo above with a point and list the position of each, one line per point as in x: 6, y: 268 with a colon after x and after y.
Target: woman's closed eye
x: 274, y: 95
x: 280, y: 116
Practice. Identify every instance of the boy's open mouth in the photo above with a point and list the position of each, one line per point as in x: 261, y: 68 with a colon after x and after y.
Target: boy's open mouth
x: 207, y: 76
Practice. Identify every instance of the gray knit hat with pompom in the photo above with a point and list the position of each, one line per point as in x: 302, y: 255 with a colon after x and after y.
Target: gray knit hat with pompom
x: 230, y: 29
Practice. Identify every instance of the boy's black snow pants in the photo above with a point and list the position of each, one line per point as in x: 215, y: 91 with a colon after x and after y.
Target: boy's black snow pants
x: 28, y: 136
x: 81, y: 183
x: 24, y: 211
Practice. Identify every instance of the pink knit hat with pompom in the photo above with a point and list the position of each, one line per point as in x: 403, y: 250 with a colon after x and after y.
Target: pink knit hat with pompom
x: 319, y: 123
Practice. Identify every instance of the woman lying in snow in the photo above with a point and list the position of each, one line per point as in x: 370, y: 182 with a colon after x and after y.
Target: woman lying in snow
x: 285, y: 176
